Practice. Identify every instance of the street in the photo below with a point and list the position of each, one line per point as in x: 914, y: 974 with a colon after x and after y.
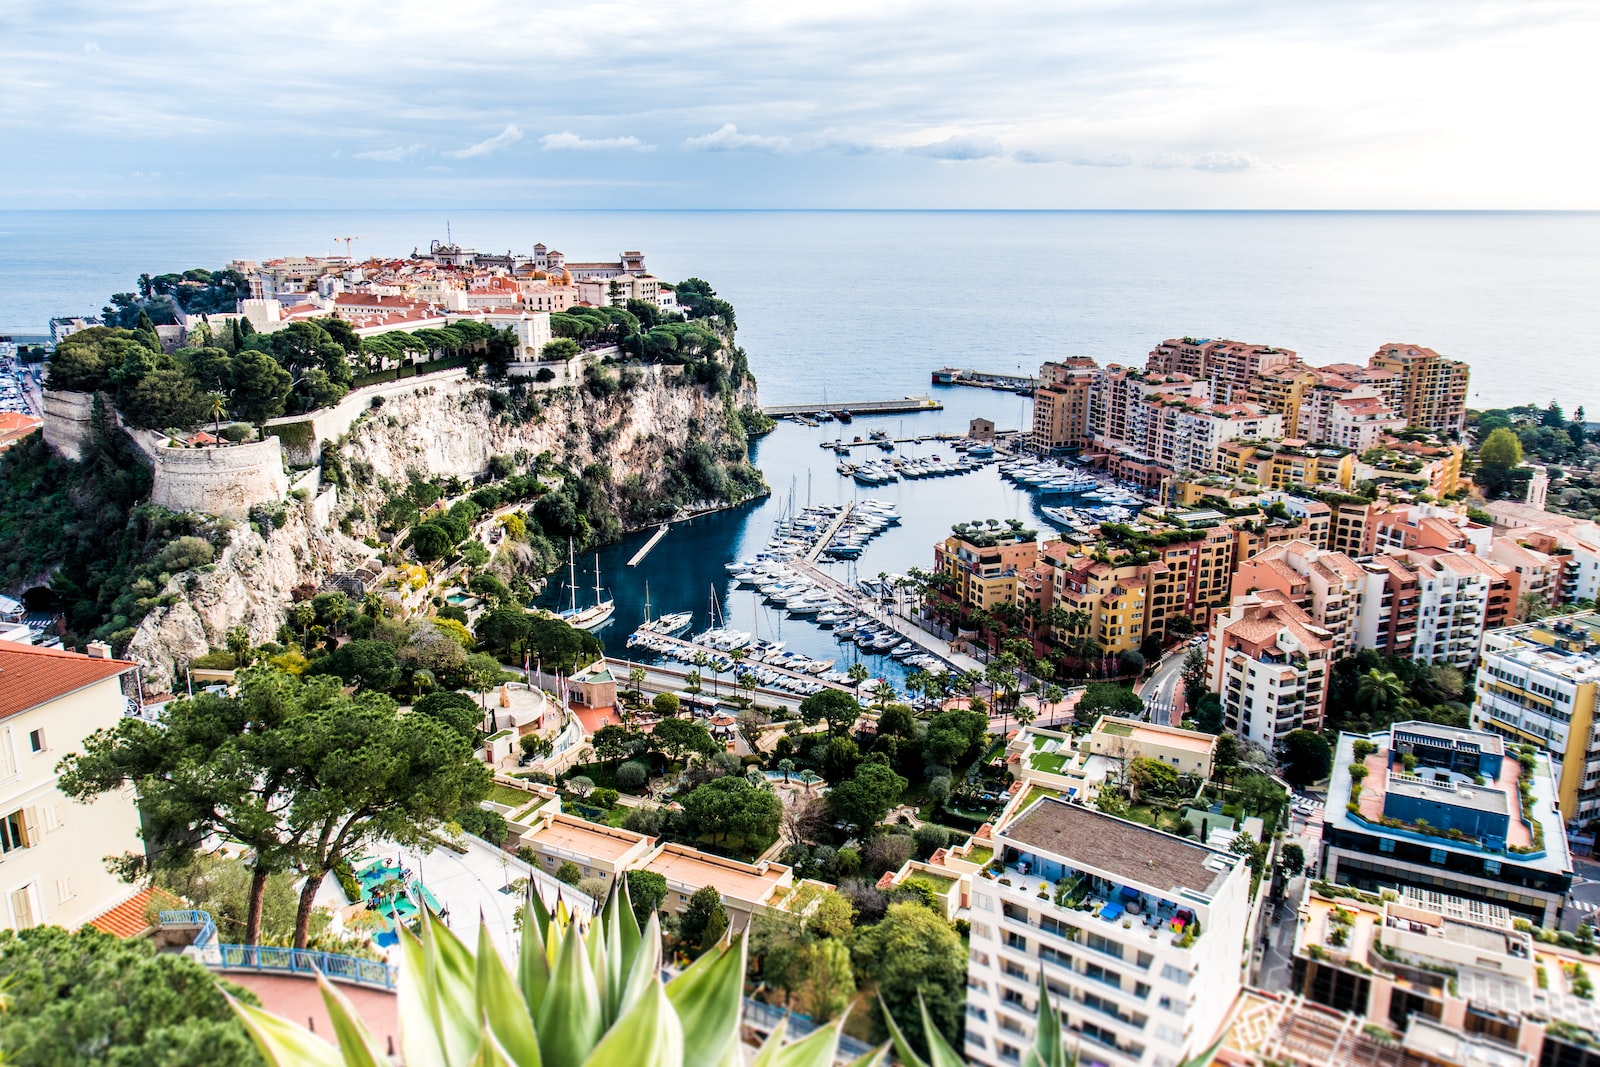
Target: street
x: 1163, y: 690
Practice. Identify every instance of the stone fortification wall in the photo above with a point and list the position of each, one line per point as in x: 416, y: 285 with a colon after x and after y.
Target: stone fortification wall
x: 327, y: 424
x: 66, y: 422
x: 226, y: 481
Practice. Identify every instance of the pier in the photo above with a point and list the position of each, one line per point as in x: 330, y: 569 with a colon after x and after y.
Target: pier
x: 827, y: 535
x: 1009, y: 383
x: 655, y: 539
x: 904, y: 405
x: 915, y: 634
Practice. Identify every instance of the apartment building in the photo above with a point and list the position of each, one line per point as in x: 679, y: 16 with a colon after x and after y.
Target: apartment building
x: 1077, y: 768
x: 1269, y: 662
x: 1061, y: 406
x: 1449, y: 811
x: 599, y: 851
x: 1285, y: 464
x: 1455, y: 977
x: 1432, y: 389
x: 1116, y: 598
x: 53, y: 848
x: 1330, y: 587
x: 985, y: 567
x: 1230, y: 365
x: 1537, y: 684
x: 1358, y: 423
x: 1138, y: 937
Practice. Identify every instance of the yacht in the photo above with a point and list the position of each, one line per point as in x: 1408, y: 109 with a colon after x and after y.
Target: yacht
x: 594, y: 616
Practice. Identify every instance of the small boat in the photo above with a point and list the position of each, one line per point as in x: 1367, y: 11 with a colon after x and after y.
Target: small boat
x: 843, y: 415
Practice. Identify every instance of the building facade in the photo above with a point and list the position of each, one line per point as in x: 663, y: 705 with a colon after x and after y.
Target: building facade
x: 1137, y: 936
x: 52, y: 848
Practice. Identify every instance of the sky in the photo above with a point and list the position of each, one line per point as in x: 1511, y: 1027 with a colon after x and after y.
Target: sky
x: 1227, y: 104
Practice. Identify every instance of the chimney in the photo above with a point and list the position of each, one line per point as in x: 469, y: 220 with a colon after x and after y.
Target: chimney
x: 97, y: 650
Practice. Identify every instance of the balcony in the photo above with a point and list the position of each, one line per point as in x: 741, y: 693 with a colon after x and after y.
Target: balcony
x: 1087, y: 902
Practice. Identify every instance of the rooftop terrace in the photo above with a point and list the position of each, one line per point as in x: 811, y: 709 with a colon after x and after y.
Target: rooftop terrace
x: 1117, y: 847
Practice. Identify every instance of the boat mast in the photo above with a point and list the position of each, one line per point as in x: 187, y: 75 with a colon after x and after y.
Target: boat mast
x: 647, y: 601
x: 597, y: 579
x: 572, y: 577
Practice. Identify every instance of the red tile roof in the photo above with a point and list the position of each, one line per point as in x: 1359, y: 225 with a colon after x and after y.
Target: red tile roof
x: 32, y: 676
x: 128, y: 918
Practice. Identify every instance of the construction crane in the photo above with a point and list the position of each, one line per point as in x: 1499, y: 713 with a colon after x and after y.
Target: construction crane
x: 347, y: 240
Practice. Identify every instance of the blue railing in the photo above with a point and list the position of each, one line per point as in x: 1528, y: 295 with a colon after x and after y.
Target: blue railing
x: 206, y: 930
x: 277, y: 959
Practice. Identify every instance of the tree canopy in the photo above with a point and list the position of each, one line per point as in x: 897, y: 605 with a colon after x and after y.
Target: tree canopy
x: 914, y: 953
x: 89, y: 997
x: 1307, y: 759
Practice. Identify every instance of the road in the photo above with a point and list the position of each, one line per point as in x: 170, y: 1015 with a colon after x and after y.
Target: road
x: 1583, y: 905
x: 1162, y: 691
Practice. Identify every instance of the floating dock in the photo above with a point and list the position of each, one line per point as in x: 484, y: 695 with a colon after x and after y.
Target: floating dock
x: 905, y: 405
x: 655, y: 539
x: 827, y: 535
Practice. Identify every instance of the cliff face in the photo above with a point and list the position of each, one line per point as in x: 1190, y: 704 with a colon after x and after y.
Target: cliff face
x: 453, y: 429
x: 249, y: 585
x: 455, y: 432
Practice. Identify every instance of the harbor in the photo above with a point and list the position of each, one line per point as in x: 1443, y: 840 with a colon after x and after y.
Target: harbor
x: 813, y: 515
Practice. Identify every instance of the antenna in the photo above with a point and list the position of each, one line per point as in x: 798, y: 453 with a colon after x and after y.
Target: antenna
x: 449, y: 239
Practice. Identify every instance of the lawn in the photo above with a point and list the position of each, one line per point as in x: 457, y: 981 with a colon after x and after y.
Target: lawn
x: 1049, y: 762
x: 1035, y: 793
x: 510, y: 796
x: 982, y: 855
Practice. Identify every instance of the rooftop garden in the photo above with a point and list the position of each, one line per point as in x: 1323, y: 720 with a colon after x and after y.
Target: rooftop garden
x: 992, y: 533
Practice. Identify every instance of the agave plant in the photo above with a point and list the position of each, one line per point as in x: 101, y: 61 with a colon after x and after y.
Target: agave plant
x: 581, y: 996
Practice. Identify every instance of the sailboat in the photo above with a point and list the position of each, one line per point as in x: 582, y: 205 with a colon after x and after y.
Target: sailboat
x: 590, y: 618
x: 672, y: 624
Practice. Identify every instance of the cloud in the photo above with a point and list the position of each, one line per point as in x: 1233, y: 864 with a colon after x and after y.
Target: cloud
x: 1217, y: 162
x: 506, y: 137
x: 727, y: 138
x: 566, y: 140
x: 90, y: 46
x: 398, y: 154
x: 960, y: 148
x: 1225, y: 162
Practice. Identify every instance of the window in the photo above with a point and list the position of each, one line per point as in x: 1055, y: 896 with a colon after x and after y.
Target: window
x: 1436, y: 857
x: 14, y: 833
x: 1386, y: 844
x: 36, y: 740
x: 23, y: 912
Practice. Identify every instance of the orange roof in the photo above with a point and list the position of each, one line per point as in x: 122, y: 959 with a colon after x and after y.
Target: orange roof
x: 127, y: 919
x: 32, y: 676
x: 16, y: 420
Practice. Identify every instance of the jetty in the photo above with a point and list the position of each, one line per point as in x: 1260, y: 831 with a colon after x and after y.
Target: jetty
x: 827, y: 535
x: 930, y: 644
x: 655, y: 539
x: 904, y: 405
x: 1009, y: 383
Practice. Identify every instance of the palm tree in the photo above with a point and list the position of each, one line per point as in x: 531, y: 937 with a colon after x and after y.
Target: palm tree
x: 857, y: 674
x: 786, y: 765
x: 636, y: 678
x: 691, y: 681
x: 1378, y: 691
x: 1053, y: 696
x: 883, y: 694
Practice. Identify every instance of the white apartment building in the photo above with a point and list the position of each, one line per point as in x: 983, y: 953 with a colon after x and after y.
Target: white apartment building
x: 1453, y: 597
x: 52, y: 848
x: 1269, y: 662
x: 1138, y: 936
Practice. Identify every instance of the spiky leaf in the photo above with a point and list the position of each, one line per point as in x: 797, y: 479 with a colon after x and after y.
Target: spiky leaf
x: 939, y: 1050
x: 281, y: 1042
x: 569, y: 1021
x: 501, y: 1007
x: 356, y: 1043
x: 421, y: 1041
x: 649, y: 1035
x: 454, y: 974
x: 709, y: 995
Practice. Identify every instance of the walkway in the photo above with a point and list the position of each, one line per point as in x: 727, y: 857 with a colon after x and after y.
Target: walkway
x: 904, y: 627
x: 827, y: 535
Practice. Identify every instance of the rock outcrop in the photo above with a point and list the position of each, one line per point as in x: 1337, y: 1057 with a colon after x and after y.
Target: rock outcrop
x: 456, y: 431
x: 249, y: 585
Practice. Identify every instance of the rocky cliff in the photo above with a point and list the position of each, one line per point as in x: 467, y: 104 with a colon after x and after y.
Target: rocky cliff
x: 637, y: 432
x: 454, y: 429
x: 249, y: 585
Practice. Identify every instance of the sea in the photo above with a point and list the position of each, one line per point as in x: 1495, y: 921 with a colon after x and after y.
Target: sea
x: 836, y: 307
